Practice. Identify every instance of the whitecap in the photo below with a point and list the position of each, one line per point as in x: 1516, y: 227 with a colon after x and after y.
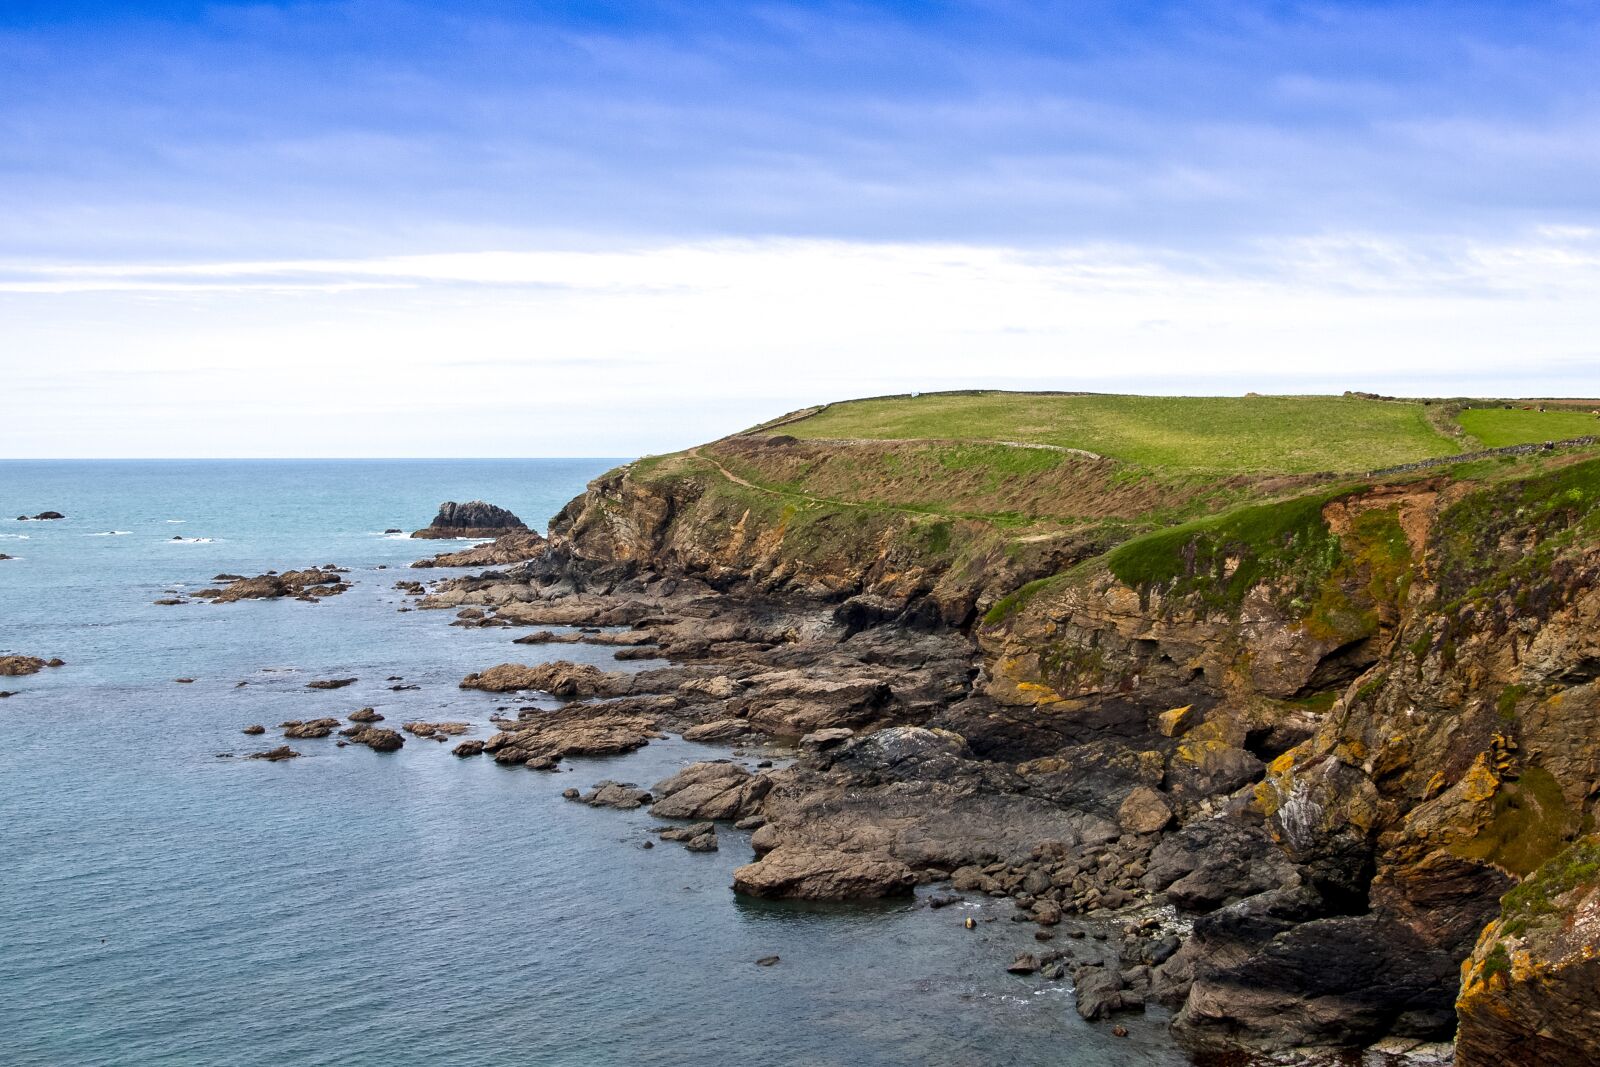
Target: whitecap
x: 177, y: 520
x: 110, y: 533
x: 190, y: 540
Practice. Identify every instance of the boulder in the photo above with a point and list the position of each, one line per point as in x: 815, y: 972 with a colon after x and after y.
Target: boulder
x: 311, y: 728
x: 365, y: 715
x: 468, y: 748
x: 806, y: 873
x: 710, y: 791
x: 621, y: 795
x: 378, y: 739
x: 1145, y: 811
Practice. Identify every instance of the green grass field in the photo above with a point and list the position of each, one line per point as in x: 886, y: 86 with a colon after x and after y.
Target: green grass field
x: 1497, y: 427
x: 1243, y: 435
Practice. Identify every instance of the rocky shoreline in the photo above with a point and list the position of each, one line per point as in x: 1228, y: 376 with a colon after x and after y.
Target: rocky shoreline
x: 1280, y: 768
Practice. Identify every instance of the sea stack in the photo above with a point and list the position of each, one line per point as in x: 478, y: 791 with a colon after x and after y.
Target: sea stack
x: 472, y: 519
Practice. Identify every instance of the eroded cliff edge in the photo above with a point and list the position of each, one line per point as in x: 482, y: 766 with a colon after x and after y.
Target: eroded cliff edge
x: 1329, y: 721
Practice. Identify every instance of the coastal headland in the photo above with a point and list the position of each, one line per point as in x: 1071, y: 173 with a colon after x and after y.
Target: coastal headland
x: 1286, y: 693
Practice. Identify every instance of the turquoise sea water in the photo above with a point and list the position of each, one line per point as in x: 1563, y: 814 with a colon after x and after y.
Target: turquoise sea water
x: 162, y: 905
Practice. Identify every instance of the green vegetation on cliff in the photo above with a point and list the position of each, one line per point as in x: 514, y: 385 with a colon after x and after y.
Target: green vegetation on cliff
x: 1241, y: 435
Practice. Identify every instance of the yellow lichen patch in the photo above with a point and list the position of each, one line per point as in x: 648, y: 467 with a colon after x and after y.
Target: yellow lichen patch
x: 1480, y: 782
x: 1283, y: 764
x: 1435, y: 785
x: 1175, y: 721
x: 1039, y: 694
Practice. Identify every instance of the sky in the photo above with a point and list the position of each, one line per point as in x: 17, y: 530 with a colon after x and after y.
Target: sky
x: 479, y: 228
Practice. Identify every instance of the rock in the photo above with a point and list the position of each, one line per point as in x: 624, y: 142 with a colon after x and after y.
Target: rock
x: 1144, y: 811
x: 767, y: 961
x: 472, y: 519
x: 719, y: 730
x: 803, y: 873
x: 704, y: 843
x: 1099, y: 992
x: 686, y: 833
x: 393, y: 529
x: 436, y: 729
x: 365, y: 715
x: 507, y: 548
x: 312, y: 583
x: 570, y: 794
x: 184, y: 681
x: 1177, y: 721
x: 558, y: 678
x: 378, y: 739
x: 818, y: 740
x: 55, y: 662
x: 620, y: 795
x: 254, y: 729
x: 331, y: 683
x: 312, y: 728
x: 709, y: 791
x: 4, y: 556
x: 1025, y: 963
x: 275, y: 755
x: 169, y: 601
x: 43, y: 516
x: 468, y: 748
x: 1530, y: 991
x: 15, y: 666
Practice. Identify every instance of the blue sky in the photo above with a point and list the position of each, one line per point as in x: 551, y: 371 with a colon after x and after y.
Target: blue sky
x: 1421, y: 181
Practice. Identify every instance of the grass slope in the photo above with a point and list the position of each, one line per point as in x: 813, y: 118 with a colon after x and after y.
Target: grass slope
x: 1498, y: 427
x: 1240, y: 435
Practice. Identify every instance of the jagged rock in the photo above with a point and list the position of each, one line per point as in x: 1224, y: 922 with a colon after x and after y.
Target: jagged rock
x: 15, y: 666
x: 472, y: 519
x: 1099, y: 992
x: 1177, y: 721
x: 709, y: 791
x: 312, y: 728
x: 1025, y: 963
x: 313, y: 583
x: 620, y: 795
x: 331, y: 683
x: 558, y: 678
x: 378, y: 739
x: 1530, y: 992
x: 507, y: 548
x: 365, y: 715
x: 468, y: 748
x: 255, y: 729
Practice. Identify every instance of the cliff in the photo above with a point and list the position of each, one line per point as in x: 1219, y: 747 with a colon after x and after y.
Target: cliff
x: 1331, y: 718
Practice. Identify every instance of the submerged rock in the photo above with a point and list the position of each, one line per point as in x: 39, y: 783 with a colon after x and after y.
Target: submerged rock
x: 275, y: 755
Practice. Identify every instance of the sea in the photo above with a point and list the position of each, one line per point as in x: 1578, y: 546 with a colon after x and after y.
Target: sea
x: 164, y: 900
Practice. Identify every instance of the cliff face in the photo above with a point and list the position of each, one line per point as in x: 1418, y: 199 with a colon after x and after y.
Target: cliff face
x: 1530, y: 991
x: 1368, y: 711
x: 1401, y: 681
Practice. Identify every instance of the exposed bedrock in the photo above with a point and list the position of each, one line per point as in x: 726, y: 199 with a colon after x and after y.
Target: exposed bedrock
x: 1330, y: 732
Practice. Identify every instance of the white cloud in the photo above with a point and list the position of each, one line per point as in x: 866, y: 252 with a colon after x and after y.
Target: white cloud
x: 621, y: 352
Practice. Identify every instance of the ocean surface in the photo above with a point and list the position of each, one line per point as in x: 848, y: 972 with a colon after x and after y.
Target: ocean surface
x: 161, y: 903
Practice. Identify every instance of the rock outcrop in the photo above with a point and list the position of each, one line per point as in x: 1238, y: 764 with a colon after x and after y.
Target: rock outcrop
x: 1329, y: 729
x: 472, y: 519
x: 17, y: 666
x: 513, y: 547
x: 311, y: 584
x: 1530, y: 992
